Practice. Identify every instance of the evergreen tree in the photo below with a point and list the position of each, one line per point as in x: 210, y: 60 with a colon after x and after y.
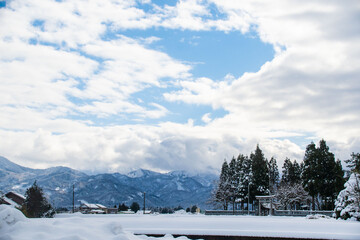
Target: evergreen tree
x: 135, y: 207
x: 273, y: 175
x: 322, y: 175
x: 36, y: 205
x: 354, y: 163
x: 221, y: 195
x: 193, y: 209
x: 291, y: 173
x: 309, y: 175
x: 123, y: 207
x: 233, y: 181
x: 260, y: 174
x: 296, y: 177
x: 330, y: 174
x: 245, y: 177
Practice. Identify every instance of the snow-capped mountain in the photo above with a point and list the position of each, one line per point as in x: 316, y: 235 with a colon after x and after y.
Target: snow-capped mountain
x: 170, y: 189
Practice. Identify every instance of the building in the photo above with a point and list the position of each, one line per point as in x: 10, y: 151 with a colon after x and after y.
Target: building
x: 92, y: 208
x: 14, y: 199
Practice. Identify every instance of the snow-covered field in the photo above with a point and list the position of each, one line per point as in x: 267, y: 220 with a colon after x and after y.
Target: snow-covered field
x: 14, y: 226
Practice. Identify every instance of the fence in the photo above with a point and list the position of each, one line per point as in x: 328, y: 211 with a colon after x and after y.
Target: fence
x: 229, y: 212
x: 301, y: 213
x: 293, y: 213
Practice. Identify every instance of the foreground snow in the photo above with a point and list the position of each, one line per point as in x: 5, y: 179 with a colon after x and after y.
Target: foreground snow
x: 122, y: 227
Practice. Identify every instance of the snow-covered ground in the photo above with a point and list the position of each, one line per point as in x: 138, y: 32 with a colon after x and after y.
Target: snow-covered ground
x: 14, y: 226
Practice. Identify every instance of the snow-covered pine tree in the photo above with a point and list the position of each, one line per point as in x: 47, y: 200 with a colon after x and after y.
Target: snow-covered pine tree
x: 233, y: 181
x: 347, y: 204
x: 245, y: 177
x: 354, y: 162
x: 221, y: 194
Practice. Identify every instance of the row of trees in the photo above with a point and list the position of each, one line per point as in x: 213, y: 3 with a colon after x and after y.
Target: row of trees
x: 319, y: 178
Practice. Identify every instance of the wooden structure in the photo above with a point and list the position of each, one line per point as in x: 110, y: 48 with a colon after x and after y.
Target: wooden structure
x: 13, y: 199
x: 266, y: 204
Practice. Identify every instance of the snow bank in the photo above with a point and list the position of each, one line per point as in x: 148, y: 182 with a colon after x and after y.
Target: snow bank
x: 9, y: 216
x: 14, y: 225
x: 317, y: 216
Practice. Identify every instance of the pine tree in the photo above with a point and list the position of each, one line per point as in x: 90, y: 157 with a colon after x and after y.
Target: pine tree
x: 309, y: 175
x: 221, y: 194
x: 322, y: 176
x: 135, y: 207
x: 123, y: 207
x: 36, y: 205
x: 260, y: 174
x: 354, y: 163
x: 330, y: 174
x: 273, y: 175
x: 291, y: 173
x: 245, y: 177
x: 233, y: 181
x: 296, y: 177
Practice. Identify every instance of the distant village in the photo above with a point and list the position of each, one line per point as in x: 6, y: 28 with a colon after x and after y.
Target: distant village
x: 17, y: 200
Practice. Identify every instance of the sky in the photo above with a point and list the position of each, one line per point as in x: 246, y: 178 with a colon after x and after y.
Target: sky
x: 117, y: 85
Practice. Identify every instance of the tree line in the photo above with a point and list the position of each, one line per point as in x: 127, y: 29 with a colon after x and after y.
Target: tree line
x: 315, y: 181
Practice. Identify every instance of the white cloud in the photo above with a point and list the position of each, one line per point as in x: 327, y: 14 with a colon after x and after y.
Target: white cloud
x: 311, y: 87
x: 206, y: 118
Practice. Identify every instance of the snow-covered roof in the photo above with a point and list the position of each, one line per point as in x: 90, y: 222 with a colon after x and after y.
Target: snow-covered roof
x: 100, y: 206
x: 11, y: 202
x: 92, y: 205
x: 19, y: 195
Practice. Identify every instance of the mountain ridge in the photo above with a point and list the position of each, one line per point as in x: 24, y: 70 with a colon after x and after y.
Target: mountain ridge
x: 162, y: 189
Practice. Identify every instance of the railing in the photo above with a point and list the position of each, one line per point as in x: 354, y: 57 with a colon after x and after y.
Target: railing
x: 293, y: 213
x: 229, y: 212
x: 301, y: 213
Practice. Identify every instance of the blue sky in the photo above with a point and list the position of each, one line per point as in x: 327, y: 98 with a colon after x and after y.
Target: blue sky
x: 112, y: 86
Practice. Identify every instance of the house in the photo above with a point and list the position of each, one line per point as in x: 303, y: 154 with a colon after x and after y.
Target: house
x: 14, y: 199
x: 92, y: 208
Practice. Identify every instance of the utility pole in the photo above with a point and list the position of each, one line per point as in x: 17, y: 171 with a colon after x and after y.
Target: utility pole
x: 248, y: 205
x: 73, y: 198
x: 144, y: 202
x: 270, y: 213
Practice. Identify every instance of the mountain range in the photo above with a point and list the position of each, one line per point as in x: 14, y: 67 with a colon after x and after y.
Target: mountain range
x: 172, y: 189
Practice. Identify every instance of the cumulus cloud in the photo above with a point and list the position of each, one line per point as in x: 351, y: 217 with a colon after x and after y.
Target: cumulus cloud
x: 310, y: 85
x: 60, y: 71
